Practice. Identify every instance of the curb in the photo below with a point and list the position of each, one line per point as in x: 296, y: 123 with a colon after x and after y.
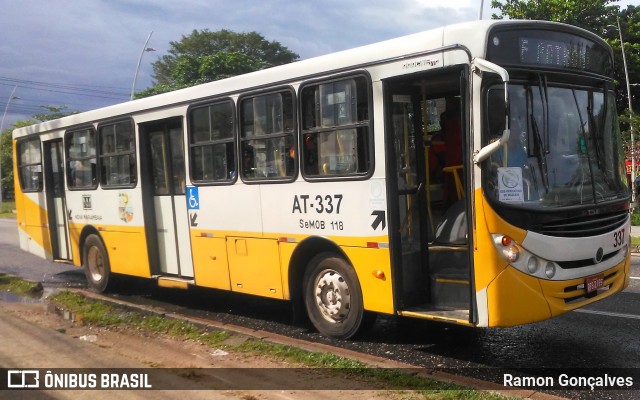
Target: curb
x: 374, y: 361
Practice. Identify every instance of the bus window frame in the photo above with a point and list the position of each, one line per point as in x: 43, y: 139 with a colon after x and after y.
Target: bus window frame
x: 67, y: 159
x: 191, y: 144
x: 295, y: 124
x: 100, y: 155
x: 20, y: 166
x: 369, y: 125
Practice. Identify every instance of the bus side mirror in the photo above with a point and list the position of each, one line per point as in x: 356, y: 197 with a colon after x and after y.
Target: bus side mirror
x: 487, y: 66
x: 491, y: 148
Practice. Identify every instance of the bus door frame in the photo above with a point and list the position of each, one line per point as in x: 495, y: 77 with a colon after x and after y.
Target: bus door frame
x: 479, y: 67
x: 466, y: 93
x: 174, y: 258
x: 56, y: 200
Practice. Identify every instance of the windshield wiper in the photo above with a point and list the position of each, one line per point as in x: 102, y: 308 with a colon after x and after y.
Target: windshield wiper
x: 595, y: 127
x: 586, y: 148
x: 540, y: 153
x: 540, y: 145
x: 542, y: 87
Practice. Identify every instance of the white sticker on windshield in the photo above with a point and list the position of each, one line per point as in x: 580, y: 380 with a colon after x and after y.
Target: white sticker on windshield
x: 510, y: 187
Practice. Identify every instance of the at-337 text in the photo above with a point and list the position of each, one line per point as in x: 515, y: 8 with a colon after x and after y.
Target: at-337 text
x: 320, y: 204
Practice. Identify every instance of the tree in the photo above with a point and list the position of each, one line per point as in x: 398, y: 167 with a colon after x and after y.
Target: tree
x: 597, y: 16
x: 52, y: 112
x: 592, y: 15
x: 206, y: 56
x: 630, y: 27
x: 6, y: 157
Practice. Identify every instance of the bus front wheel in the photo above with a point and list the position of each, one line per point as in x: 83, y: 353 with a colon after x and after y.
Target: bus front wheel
x: 333, y: 297
x: 96, y: 263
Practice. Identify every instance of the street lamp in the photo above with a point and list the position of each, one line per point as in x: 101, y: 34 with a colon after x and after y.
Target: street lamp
x: 6, y: 108
x: 135, y: 77
x: 626, y: 75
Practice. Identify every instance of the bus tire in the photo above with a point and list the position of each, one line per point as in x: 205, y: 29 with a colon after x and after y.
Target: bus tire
x: 96, y: 263
x: 333, y: 297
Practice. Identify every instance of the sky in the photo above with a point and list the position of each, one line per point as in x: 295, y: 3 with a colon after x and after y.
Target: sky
x: 83, y: 54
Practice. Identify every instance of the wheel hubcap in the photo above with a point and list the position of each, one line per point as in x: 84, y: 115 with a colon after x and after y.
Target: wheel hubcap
x: 332, y: 296
x: 96, y: 264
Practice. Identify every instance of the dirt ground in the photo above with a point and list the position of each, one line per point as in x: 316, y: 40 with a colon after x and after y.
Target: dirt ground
x: 34, y: 336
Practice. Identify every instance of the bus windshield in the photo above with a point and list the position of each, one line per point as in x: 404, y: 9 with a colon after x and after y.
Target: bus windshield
x: 564, y: 148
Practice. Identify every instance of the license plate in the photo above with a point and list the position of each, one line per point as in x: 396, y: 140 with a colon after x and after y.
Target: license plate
x: 593, y: 283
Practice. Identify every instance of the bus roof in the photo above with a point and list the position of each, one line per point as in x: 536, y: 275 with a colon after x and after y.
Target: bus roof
x: 472, y: 35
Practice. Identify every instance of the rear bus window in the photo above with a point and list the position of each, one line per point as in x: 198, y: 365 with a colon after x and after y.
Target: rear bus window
x: 30, y: 165
x: 335, y: 129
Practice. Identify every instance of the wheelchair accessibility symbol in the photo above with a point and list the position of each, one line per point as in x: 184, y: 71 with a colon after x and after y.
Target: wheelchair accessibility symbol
x: 193, y: 199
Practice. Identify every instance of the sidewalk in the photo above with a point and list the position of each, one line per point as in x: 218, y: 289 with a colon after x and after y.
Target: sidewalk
x: 635, y: 233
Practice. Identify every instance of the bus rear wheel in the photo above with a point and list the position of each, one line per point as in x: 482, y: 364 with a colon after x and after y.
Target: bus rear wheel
x: 333, y: 298
x: 96, y: 264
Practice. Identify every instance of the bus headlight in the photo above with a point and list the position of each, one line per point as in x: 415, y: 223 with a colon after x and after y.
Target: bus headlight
x: 550, y: 269
x: 533, y: 264
x: 523, y: 260
x: 510, y: 251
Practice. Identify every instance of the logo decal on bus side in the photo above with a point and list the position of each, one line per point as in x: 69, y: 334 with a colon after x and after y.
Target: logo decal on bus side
x: 124, y: 210
x: 86, y: 202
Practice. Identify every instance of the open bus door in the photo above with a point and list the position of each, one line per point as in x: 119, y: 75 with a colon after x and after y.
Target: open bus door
x: 56, y: 205
x: 429, y: 202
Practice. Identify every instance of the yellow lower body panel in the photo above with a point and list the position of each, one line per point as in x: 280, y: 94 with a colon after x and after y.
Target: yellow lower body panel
x: 515, y: 298
x: 210, y: 264
x: 254, y: 266
x: 127, y: 252
x: 376, y: 290
x: 40, y: 235
x: 126, y: 248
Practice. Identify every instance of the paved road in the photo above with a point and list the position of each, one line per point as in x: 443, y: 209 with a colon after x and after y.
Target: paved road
x: 16, y: 262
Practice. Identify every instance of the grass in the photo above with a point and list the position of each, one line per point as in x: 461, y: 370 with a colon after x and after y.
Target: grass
x: 102, y: 314
x: 99, y: 313
x: 18, y: 286
x: 7, y: 209
x: 635, y: 217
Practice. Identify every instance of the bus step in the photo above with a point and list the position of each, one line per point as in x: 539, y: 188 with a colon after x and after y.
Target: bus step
x: 173, y: 282
x: 446, y: 314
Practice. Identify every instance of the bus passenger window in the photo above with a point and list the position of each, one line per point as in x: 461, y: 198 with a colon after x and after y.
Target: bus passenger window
x: 81, y: 158
x: 117, y: 155
x: 212, y: 143
x: 267, y: 142
x: 336, y: 137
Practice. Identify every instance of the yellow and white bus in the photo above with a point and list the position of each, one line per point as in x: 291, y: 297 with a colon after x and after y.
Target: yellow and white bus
x: 470, y: 174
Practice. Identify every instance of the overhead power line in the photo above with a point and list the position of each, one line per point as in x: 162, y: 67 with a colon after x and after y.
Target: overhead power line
x: 64, y: 89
